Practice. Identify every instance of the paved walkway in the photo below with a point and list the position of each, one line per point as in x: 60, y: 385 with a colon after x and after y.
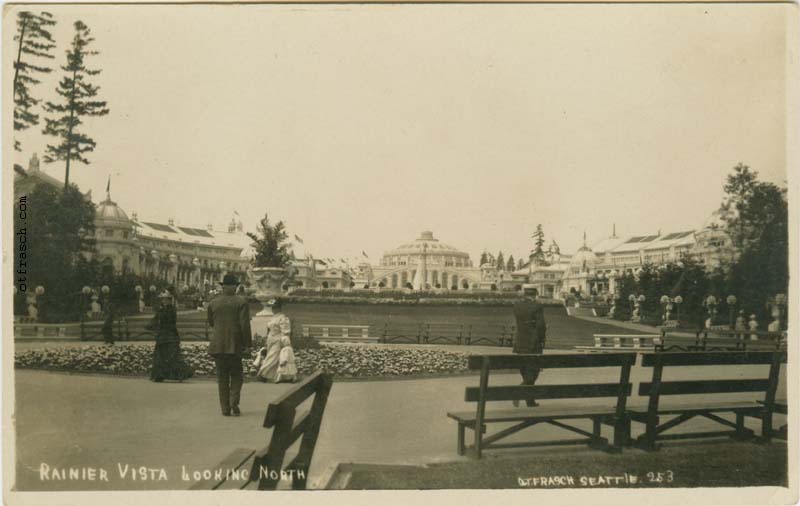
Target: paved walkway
x: 113, y: 423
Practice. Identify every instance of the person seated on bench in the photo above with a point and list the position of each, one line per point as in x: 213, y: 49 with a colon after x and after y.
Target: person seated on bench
x: 530, y: 334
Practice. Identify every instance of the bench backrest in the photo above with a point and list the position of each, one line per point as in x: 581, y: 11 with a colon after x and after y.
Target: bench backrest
x: 727, y: 382
x: 620, y: 389
x: 345, y: 331
x: 626, y: 340
x: 287, y: 428
x: 712, y: 339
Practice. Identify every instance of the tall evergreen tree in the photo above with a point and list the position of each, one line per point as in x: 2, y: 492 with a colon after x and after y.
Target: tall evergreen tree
x: 538, y: 244
x: 510, y: 263
x: 520, y: 264
x: 501, y: 263
x: 34, y: 42
x: 757, y: 217
x: 78, y: 101
x: 484, y: 258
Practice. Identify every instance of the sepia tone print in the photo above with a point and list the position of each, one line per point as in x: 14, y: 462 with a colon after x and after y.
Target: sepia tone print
x: 398, y: 247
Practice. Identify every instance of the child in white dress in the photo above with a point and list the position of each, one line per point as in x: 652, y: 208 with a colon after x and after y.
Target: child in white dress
x: 287, y: 369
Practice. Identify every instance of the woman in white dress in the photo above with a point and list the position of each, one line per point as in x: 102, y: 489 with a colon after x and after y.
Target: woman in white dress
x: 279, y: 326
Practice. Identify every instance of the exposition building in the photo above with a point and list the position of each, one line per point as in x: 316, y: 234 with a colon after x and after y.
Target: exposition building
x: 181, y: 255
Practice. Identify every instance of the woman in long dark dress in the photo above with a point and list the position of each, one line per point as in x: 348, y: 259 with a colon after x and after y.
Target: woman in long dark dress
x: 168, y: 361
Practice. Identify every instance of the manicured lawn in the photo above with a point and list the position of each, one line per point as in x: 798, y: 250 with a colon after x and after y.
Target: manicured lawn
x: 563, y: 331
x: 689, y: 464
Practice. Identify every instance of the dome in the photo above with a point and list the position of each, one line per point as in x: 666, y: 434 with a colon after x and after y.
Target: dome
x: 428, y: 243
x: 584, y: 260
x: 435, y: 251
x: 108, y: 213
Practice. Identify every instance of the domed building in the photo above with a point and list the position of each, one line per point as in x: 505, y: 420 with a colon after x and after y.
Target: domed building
x: 114, y: 232
x: 426, y: 263
x: 580, y: 275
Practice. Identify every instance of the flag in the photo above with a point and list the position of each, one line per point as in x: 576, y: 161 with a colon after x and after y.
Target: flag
x: 108, y: 185
x: 364, y: 253
x: 235, y: 212
x: 297, y: 238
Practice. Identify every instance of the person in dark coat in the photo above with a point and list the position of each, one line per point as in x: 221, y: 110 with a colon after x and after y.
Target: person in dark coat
x: 229, y: 319
x: 108, y: 325
x: 168, y: 362
x: 530, y: 339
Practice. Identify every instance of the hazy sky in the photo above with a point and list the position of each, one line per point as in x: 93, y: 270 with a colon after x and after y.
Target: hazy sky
x: 361, y: 126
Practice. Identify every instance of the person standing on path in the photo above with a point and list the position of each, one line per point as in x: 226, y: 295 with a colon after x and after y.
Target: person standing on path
x: 229, y: 319
x: 108, y: 325
x: 530, y: 337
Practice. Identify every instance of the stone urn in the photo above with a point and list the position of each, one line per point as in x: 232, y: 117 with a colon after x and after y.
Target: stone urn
x: 268, y: 283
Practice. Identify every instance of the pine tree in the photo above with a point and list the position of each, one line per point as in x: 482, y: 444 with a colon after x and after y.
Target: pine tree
x: 520, y: 264
x: 34, y: 41
x: 484, y: 258
x: 501, y: 264
x: 78, y: 101
x: 537, y: 254
x: 510, y: 263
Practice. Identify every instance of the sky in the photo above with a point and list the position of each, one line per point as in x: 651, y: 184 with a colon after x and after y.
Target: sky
x: 360, y: 126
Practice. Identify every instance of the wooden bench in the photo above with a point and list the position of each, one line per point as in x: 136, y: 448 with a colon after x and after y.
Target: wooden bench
x: 738, y: 340
x: 447, y: 333
x: 623, y: 342
x: 492, y: 335
x: 610, y: 414
x: 244, y: 468
x: 401, y: 332
x: 684, y: 410
x: 339, y: 333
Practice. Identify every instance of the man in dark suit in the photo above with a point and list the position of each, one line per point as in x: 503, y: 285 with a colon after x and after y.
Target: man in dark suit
x: 531, y: 330
x: 229, y: 319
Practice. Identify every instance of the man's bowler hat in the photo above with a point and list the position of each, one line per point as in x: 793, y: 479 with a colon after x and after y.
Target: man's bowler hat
x: 229, y: 279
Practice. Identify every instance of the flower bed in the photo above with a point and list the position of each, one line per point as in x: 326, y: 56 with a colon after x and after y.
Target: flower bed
x: 343, y: 361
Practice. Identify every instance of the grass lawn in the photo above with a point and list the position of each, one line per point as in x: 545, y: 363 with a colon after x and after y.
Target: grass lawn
x: 693, y: 464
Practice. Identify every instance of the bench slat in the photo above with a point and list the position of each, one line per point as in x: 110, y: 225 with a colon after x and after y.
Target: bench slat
x: 561, y: 361
x: 292, y: 398
x: 521, y: 392
x: 535, y: 413
x: 696, y: 406
x: 708, y: 358
x: 706, y: 386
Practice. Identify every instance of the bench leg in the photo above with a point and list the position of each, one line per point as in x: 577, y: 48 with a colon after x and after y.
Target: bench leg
x: 766, y: 425
x: 622, y: 433
x: 461, y: 448
x: 647, y: 441
x: 742, y: 433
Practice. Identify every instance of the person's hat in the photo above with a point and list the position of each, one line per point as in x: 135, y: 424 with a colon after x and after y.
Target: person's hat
x: 164, y: 295
x: 229, y: 280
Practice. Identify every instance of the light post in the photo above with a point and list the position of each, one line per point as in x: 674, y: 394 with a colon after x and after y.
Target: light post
x: 678, y: 301
x: 710, y: 303
x: 641, y: 300
x: 139, y: 302
x: 39, y: 291
x: 665, y: 303
x: 731, y: 300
